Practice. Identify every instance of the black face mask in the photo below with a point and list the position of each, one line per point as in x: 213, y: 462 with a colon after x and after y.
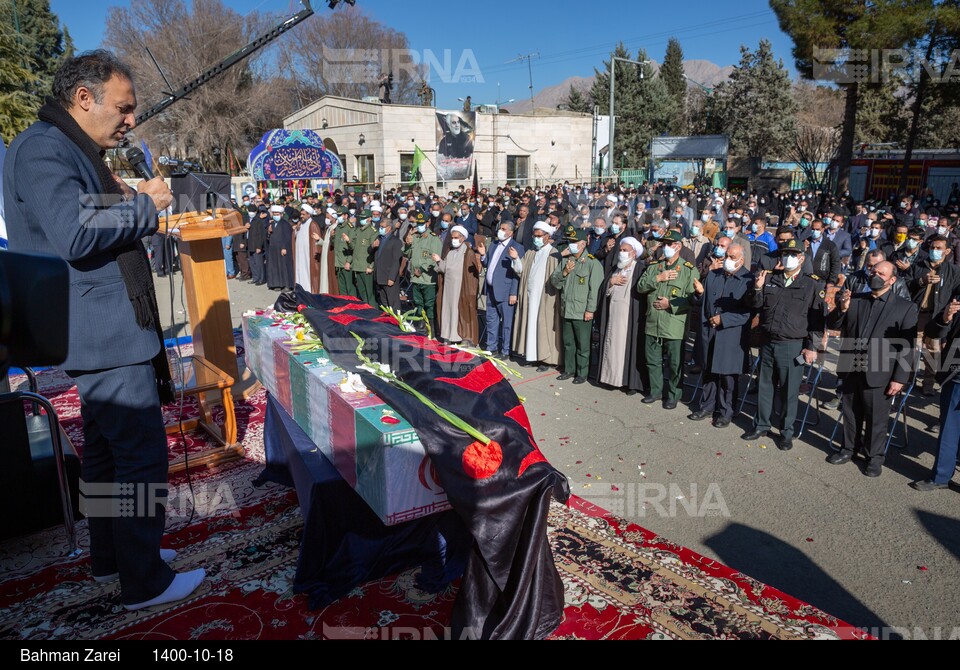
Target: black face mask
x: 877, y: 283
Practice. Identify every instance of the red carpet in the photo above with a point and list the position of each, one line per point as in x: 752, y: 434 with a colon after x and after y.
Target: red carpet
x: 621, y: 581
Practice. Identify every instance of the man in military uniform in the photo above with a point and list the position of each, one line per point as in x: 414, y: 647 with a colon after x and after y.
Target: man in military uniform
x: 792, y: 313
x: 669, y: 285
x: 342, y: 252
x: 362, y: 240
x: 578, y: 277
x: 420, y: 246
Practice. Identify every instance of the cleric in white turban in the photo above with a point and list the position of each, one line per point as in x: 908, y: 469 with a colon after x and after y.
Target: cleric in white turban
x: 621, y: 312
x: 537, y: 322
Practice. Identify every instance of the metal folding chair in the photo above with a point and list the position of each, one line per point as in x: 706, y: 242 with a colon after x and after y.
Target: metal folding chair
x: 899, y: 401
x: 752, y: 377
x: 41, y: 433
x: 816, y: 372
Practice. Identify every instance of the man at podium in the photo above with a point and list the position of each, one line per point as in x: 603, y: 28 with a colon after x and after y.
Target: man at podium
x: 97, y: 227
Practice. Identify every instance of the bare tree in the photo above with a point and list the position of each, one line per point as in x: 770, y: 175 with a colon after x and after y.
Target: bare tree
x: 225, y: 117
x: 813, y: 147
x: 344, y: 53
x: 818, y: 106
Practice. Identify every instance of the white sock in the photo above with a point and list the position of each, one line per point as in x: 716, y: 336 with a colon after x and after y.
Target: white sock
x: 166, y: 555
x: 183, y: 584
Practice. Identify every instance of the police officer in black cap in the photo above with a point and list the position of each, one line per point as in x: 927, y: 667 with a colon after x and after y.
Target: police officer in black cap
x: 792, y: 314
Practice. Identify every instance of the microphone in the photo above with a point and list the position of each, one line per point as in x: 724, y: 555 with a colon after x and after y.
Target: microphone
x: 178, y: 164
x: 138, y: 162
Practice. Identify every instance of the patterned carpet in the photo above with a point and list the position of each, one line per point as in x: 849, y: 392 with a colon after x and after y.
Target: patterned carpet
x: 621, y: 581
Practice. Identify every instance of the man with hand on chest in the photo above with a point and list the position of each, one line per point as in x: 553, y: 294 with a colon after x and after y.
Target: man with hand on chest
x: 669, y: 285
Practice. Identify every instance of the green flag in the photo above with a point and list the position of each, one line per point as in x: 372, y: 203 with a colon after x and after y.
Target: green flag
x: 418, y: 157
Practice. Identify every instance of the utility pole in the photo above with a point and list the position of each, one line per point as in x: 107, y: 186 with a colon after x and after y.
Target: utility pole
x: 613, y: 69
x: 529, y: 58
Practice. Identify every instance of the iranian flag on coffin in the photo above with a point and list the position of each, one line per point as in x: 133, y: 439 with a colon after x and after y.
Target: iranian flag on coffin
x: 481, y: 447
x: 375, y: 450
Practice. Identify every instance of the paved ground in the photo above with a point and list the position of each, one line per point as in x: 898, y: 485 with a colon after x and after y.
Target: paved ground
x: 873, y: 552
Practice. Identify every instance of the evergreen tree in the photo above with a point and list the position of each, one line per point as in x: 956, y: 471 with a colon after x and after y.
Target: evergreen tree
x: 880, y: 115
x: 17, y: 107
x: 578, y: 102
x: 673, y: 77
x: 818, y: 25
x: 644, y: 108
x: 755, y: 107
x: 32, y: 47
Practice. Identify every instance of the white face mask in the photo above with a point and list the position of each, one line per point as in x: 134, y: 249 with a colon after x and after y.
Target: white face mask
x: 574, y: 248
x: 729, y: 265
x: 501, y: 235
x: 615, y: 229
x: 402, y: 217
x: 455, y: 243
x: 435, y: 213
x: 623, y: 259
x: 942, y: 231
x: 669, y: 252
x: 791, y: 262
x: 874, y: 232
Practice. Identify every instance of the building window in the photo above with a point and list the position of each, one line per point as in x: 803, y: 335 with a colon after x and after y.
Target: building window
x: 406, y: 168
x: 365, y: 169
x: 518, y: 170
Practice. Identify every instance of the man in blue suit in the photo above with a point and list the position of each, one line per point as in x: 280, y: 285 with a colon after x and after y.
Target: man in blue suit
x: 502, y: 286
x: 62, y: 200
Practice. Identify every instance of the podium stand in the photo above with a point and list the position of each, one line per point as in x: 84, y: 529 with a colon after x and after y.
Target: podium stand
x: 214, y: 367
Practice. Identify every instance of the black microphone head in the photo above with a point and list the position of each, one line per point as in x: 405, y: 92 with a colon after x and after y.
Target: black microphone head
x: 134, y: 155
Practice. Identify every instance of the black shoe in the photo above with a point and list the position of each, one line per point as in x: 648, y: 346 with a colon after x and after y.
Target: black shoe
x: 699, y: 415
x: 721, y: 422
x: 632, y: 392
x: 840, y: 458
x: 565, y: 376
x: 649, y: 400
x: 669, y: 404
x: 543, y: 368
x: 928, y: 485
x: 580, y: 380
x: 755, y: 434
x: 873, y: 470
x: 786, y: 444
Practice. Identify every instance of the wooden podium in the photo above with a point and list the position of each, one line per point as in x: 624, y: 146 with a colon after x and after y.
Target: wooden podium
x: 214, y: 368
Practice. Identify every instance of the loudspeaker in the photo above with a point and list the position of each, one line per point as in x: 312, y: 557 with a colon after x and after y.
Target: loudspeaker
x: 200, y: 191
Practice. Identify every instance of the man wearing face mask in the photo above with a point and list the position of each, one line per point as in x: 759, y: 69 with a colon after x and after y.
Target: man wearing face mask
x: 834, y: 231
x: 723, y: 338
x: 870, y: 374
x: 824, y: 255
x: 622, y: 317
x: 502, y: 284
x: 386, y: 266
x: 670, y: 287
x: 362, y: 247
x: 458, y: 286
x: 578, y: 277
x: 874, y: 239
x: 343, y: 252
x: 257, y: 240
x: 280, y: 253
x: 732, y: 230
x: 792, y: 309
x: 420, y: 245
x: 598, y: 235
x: 933, y: 282
x: 911, y: 251
x: 607, y: 251
x: 698, y: 244
x: 538, y: 322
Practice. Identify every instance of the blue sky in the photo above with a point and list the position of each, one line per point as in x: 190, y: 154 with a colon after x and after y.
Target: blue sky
x: 572, y: 37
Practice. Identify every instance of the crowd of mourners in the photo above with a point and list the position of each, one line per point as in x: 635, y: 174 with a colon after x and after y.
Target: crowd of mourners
x: 610, y: 282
